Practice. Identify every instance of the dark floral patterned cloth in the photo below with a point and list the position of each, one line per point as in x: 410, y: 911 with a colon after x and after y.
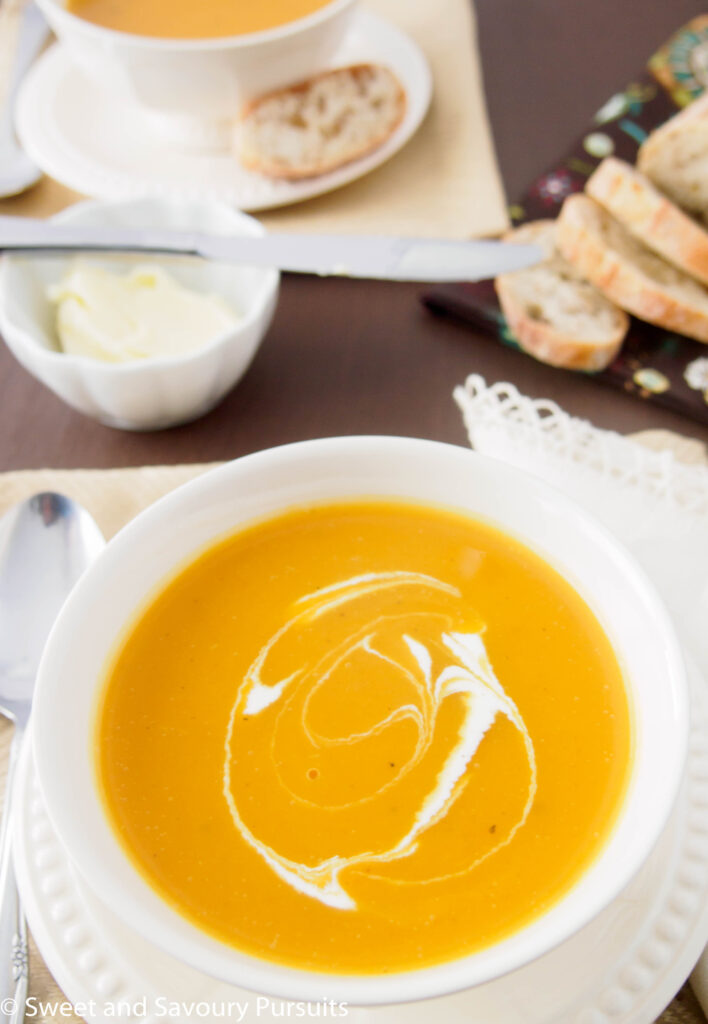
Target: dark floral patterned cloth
x: 654, y: 364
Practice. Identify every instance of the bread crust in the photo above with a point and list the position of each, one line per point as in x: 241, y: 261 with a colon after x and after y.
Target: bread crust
x: 581, y: 239
x: 543, y: 340
x: 650, y: 216
x: 545, y: 343
x: 657, y: 157
x: 254, y: 160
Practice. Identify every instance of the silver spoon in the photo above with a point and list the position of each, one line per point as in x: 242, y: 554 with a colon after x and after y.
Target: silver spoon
x: 17, y: 171
x: 46, y: 543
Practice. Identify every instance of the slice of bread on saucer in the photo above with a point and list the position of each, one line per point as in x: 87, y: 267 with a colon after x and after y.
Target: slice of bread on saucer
x: 323, y: 123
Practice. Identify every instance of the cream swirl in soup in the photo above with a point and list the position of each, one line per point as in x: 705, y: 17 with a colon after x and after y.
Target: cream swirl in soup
x: 448, y: 664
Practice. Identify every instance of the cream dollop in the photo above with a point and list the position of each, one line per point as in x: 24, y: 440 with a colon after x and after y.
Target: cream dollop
x: 142, y: 314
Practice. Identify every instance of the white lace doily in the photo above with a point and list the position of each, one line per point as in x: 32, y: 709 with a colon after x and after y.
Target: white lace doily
x: 503, y: 422
x: 655, y: 503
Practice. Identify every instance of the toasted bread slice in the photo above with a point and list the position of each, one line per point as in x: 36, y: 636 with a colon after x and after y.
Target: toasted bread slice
x: 323, y: 123
x: 652, y: 218
x: 675, y: 157
x: 553, y: 313
x: 627, y: 272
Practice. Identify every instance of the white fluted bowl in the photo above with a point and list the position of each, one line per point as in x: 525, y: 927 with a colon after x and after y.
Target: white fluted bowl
x: 148, y: 394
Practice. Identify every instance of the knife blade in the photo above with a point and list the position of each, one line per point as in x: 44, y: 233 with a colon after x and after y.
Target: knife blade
x: 379, y: 257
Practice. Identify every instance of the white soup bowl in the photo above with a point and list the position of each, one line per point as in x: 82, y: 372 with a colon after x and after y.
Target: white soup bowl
x: 152, y: 548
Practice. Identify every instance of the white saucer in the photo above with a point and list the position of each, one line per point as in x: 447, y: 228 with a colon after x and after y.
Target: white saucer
x: 101, y: 146
x: 622, y: 969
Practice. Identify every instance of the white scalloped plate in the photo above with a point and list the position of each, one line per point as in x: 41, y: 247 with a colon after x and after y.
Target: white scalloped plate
x: 98, y: 145
x: 623, y: 968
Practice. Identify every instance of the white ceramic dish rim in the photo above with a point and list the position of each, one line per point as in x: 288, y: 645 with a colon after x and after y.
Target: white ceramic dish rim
x: 255, y: 309
x: 241, y: 41
x: 591, y: 894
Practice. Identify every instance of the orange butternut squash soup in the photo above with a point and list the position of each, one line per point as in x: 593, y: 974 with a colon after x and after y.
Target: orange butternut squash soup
x: 364, y: 737
x: 192, y: 19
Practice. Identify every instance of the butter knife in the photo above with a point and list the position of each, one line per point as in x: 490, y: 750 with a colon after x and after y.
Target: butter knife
x: 382, y: 257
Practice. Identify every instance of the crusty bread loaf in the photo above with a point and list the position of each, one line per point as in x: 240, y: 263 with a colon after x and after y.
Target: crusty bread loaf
x: 627, y: 272
x: 675, y: 157
x: 553, y: 313
x: 652, y: 218
x: 318, y: 125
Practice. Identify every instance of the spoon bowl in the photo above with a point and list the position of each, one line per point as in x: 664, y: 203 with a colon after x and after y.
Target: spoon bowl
x: 46, y: 543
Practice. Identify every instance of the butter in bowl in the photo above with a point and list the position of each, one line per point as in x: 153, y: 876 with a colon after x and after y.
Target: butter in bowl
x: 139, y: 342
x: 144, y: 313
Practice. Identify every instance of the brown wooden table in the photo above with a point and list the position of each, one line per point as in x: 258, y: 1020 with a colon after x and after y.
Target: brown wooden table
x: 348, y: 357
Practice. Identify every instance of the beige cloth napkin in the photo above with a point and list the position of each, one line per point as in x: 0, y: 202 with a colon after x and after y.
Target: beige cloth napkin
x: 113, y: 497
x: 444, y: 182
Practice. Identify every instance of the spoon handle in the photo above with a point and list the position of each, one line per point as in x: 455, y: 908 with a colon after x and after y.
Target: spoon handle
x: 14, y: 959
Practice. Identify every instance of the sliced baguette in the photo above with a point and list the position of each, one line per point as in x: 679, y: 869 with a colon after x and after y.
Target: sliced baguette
x: 652, y: 218
x: 323, y: 123
x: 553, y: 313
x: 675, y: 157
x: 627, y: 272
